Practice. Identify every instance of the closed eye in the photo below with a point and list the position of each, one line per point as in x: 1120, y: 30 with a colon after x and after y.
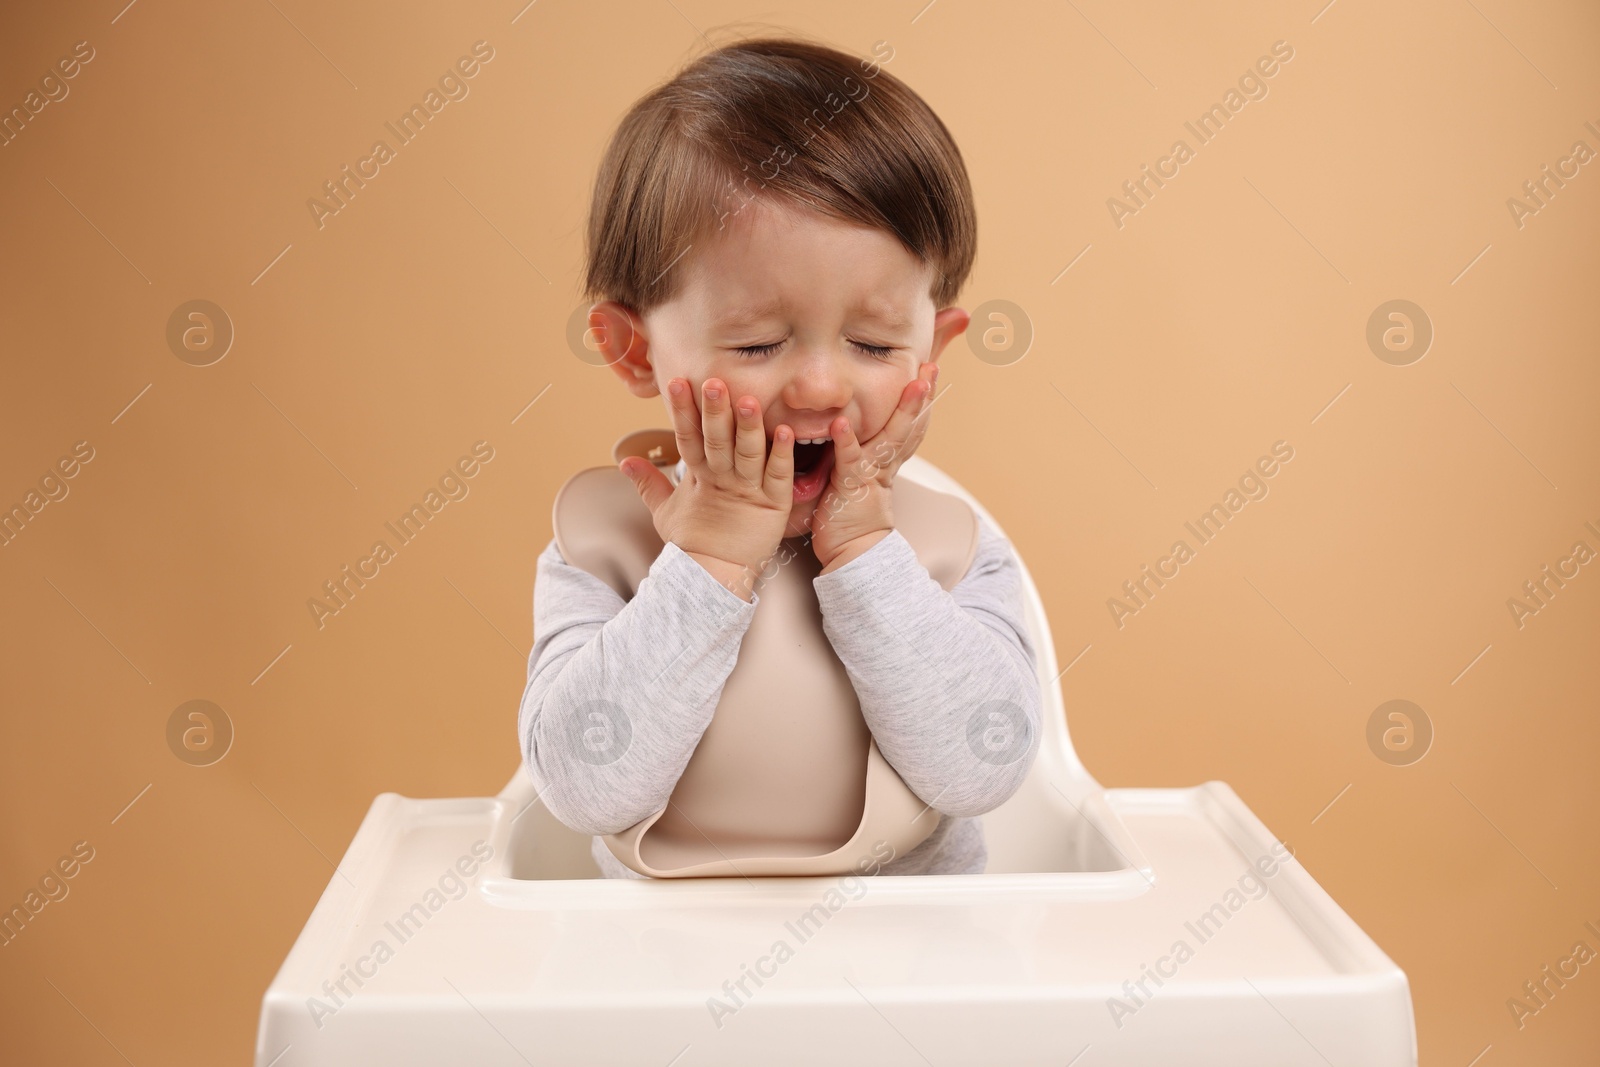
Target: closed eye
x: 756, y: 351
x: 881, y: 351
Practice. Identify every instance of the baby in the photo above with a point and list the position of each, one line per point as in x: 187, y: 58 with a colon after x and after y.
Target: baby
x: 776, y: 240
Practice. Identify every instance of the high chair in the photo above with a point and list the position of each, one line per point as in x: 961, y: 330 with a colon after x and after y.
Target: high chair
x: 1111, y: 927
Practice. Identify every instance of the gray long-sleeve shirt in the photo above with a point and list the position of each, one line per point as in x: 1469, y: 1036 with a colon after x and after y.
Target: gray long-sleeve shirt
x: 945, y: 680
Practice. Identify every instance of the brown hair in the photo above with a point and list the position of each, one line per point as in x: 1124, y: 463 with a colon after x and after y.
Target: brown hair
x: 812, y: 125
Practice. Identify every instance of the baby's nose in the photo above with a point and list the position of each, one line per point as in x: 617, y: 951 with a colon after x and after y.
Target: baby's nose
x: 818, y: 385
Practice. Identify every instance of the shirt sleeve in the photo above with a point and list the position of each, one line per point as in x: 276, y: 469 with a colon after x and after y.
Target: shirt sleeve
x: 619, y: 692
x: 947, y: 679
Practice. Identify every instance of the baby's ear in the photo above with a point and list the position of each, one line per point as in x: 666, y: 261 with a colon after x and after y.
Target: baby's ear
x: 947, y: 326
x: 616, y: 331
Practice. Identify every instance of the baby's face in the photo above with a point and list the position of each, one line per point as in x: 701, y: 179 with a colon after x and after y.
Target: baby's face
x: 813, y: 317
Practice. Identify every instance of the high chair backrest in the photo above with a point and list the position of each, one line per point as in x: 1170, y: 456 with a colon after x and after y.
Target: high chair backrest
x: 1056, y: 770
x: 1056, y: 819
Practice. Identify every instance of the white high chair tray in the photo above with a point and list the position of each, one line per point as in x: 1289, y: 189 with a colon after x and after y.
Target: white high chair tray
x: 1111, y: 927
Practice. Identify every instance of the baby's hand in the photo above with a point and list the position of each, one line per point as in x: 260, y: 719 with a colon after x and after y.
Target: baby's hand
x: 733, y: 501
x: 859, y: 498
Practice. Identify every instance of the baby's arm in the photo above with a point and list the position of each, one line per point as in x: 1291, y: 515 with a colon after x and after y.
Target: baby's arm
x: 924, y: 662
x: 662, y: 658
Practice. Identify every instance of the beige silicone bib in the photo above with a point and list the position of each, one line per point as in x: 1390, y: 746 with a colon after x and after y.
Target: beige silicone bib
x: 787, y: 779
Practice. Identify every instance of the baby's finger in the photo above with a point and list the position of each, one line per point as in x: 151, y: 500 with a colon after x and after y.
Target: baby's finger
x: 750, y: 441
x: 685, y: 422
x: 924, y: 405
x: 919, y: 430
x: 890, y: 444
x: 715, y: 425
x: 780, y: 464
x: 653, y: 486
x: 846, y: 446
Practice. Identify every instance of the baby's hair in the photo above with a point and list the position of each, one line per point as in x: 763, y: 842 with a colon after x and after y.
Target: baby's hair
x: 810, y: 125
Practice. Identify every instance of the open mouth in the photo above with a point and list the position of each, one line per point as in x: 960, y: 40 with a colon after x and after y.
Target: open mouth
x: 808, y: 458
x: 813, y: 463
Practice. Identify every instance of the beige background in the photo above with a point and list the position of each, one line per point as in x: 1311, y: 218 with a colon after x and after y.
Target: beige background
x: 1228, y: 314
